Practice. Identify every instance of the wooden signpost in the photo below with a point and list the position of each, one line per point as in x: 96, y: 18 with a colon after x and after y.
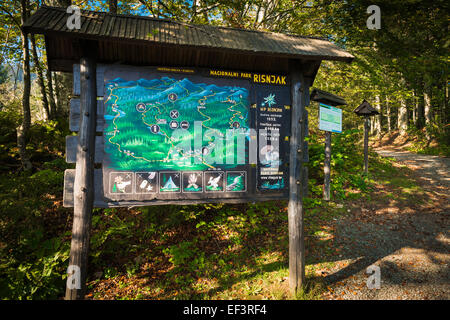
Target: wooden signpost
x: 217, y: 84
x: 83, y: 190
x: 366, y: 110
x: 300, y: 90
x: 330, y: 120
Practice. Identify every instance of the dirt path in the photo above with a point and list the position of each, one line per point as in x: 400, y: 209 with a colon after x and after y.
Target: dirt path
x: 404, y: 231
x: 434, y: 170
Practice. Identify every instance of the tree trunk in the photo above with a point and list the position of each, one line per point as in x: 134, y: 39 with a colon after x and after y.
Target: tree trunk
x: 420, y: 111
x: 53, y: 108
x: 24, y: 128
x: 415, y: 108
x: 427, y: 108
x: 40, y: 78
x: 388, y: 115
x: 446, y: 114
x: 372, y: 125
x: 402, y: 121
x: 378, y: 118
x: 57, y: 90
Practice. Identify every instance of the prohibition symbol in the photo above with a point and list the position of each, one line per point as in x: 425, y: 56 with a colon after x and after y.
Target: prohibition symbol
x: 174, y: 114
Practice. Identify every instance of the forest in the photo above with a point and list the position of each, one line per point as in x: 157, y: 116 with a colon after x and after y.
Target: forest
x: 223, y: 251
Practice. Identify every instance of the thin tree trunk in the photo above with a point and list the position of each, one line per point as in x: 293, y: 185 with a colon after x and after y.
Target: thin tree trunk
x: 402, y: 121
x: 378, y: 118
x: 388, y: 111
x: 371, y: 126
x: 415, y: 108
x: 24, y: 128
x: 53, y: 108
x: 442, y: 107
x: 445, y: 114
x: 58, y: 89
x: 40, y: 78
x: 420, y: 111
x: 427, y: 102
x: 427, y: 108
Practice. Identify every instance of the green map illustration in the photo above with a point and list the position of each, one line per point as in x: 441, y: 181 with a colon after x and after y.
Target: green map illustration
x: 142, y: 116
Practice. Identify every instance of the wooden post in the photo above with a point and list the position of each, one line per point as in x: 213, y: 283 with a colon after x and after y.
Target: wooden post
x: 305, y: 150
x: 295, y: 206
x: 366, y: 145
x: 327, y: 166
x: 84, y: 177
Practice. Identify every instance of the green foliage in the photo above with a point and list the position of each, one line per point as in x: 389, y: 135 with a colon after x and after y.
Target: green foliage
x: 3, y: 74
x: 181, y: 253
x: 33, y: 233
x: 40, y: 276
x: 32, y: 263
x: 47, y: 139
x: 422, y: 145
x: 346, y: 164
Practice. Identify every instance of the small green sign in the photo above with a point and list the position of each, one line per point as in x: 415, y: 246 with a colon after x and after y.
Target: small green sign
x: 330, y: 118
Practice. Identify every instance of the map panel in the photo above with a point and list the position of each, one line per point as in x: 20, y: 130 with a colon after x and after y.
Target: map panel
x: 192, y: 134
x: 141, y: 117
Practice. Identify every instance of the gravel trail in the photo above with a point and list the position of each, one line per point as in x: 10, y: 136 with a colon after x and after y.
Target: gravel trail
x: 430, y: 169
x: 409, y: 242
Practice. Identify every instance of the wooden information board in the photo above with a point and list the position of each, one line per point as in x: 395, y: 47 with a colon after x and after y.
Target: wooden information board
x: 187, y: 136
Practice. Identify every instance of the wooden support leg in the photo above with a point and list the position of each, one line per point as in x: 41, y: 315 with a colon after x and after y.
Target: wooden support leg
x: 84, y: 183
x: 327, y: 167
x: 305, y: 151
x: 295, y: 205
x: 366, y: 145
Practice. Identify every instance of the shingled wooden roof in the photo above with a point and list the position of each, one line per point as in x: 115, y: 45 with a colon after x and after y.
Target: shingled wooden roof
x: 327, y: 98
x: 144, y: 31
x: 365, y: 109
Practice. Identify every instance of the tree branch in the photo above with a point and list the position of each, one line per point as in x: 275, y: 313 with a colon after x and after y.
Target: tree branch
x: 10, y: 15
